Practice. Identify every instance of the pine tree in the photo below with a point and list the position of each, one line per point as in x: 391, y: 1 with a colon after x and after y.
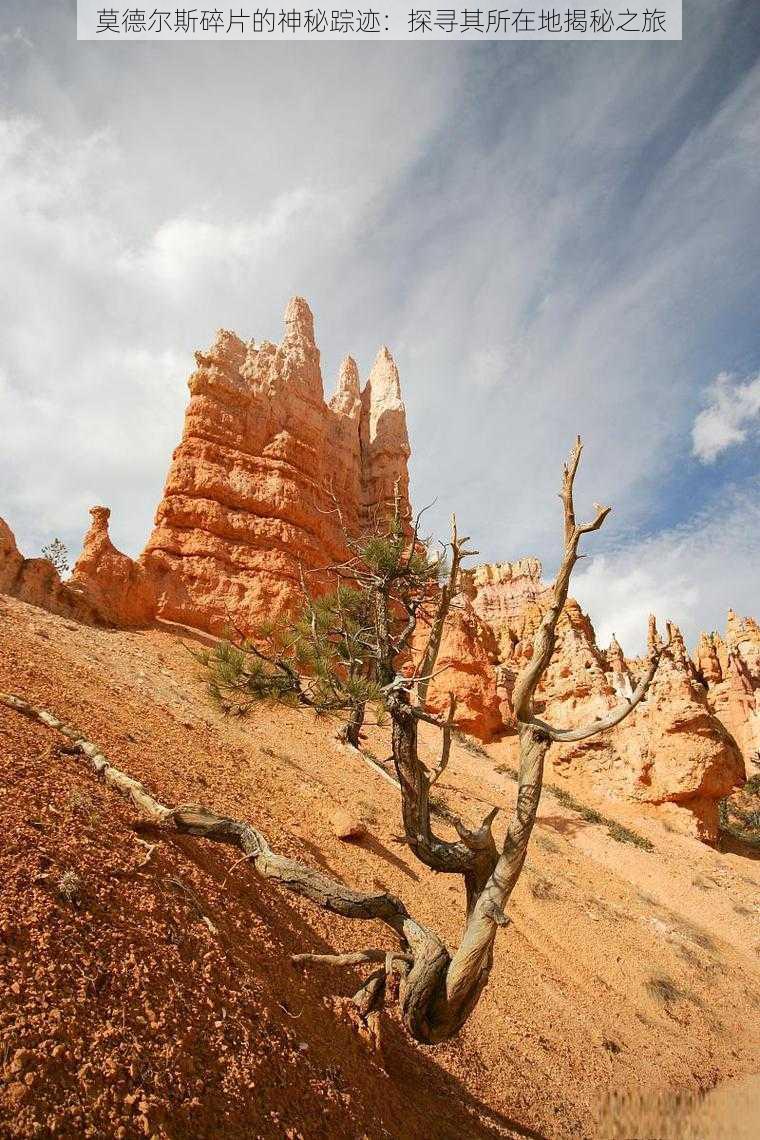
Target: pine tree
x: 57, y: 554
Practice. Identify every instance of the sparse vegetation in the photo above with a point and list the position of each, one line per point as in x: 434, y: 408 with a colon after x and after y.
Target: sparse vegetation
x: 664, y: 989
x: 439, y: 806
x: 740, y: 813
x: 69, y: 887
x: 469, y: 743
x: 614, y: 829
x: 541, y: 888
x: 84, y: 805
x: 320, y: 660
x: 56, y: 553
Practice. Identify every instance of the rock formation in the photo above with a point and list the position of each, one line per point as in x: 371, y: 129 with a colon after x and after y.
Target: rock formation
x: 466, y: 667
x: 36, y: 580
x: 261, y: 489
x: 672, y: 750
x: 122, y: 592
x: 508, y: 596
x: 265, y: 483
x: 730, y: 669
x: 267, y: 476
x: 619, y: 670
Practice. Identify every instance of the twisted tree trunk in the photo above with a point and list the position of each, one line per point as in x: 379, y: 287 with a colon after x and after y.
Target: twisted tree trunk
x: 438, y: 989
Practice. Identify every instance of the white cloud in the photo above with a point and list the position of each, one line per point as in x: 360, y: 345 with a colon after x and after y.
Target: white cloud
x: 15, y: 37
x: 132, y: 228
x: 66, y: 455
x: 690, y: 574
x: 98, y: 321
x: 733, y: 409
x: 187, y: 253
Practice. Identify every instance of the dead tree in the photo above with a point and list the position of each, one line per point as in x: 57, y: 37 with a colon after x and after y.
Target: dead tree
x: 438, y: 987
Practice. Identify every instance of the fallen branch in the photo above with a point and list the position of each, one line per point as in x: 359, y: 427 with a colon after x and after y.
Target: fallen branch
x: 424, y: 958
x: 150, y: 849
x: 355, y: 958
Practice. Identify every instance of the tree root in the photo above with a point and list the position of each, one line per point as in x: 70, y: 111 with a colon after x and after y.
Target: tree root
x: 421, y: 963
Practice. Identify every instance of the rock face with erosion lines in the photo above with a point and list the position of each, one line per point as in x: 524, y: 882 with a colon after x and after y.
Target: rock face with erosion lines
x: 268, y: 473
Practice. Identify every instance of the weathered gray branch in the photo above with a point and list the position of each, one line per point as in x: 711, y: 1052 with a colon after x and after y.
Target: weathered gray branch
x: 448, y: 592
x: 545, y: 638
x: 473, y: 957
x: 448, y: 726
x: 615, y: 716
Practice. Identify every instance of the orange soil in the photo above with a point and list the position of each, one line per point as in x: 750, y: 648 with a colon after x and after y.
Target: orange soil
x: 163, y: 1003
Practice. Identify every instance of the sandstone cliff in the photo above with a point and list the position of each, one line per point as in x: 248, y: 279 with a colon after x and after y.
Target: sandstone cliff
x: 262, y: 484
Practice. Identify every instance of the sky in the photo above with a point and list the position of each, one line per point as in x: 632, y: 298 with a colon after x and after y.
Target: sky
x: 551, y: 238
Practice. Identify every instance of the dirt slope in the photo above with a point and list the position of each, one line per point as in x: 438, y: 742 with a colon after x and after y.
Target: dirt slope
x: 160, y: 999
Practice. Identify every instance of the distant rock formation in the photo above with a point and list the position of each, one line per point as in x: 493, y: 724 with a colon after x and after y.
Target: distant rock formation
x: 122, y: 591
x: 673, y: 749
x: 36, y: 580
x: 466, y: 667
x: 729, y: 667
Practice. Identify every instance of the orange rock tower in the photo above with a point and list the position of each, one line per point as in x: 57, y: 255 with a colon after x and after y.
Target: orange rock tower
x: 264, y: 480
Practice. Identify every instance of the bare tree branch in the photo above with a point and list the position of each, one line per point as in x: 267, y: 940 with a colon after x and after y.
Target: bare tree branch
x: 473, y: 957
x: 615, y: 716
x: 448, y: 591
x: 545, y: 638
x: 446, y: 742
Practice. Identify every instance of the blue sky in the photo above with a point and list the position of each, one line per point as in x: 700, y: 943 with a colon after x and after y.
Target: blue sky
x: 551, y: 238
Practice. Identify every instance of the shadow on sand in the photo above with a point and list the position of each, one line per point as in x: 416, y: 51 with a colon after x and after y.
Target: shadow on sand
x: 418, y: 1098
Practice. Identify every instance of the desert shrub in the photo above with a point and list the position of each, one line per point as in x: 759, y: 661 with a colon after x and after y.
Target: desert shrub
x: 739, y: 813
x: 469, y: 743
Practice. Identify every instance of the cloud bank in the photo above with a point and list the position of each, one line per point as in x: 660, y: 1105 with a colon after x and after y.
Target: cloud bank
x: 678, y: 574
